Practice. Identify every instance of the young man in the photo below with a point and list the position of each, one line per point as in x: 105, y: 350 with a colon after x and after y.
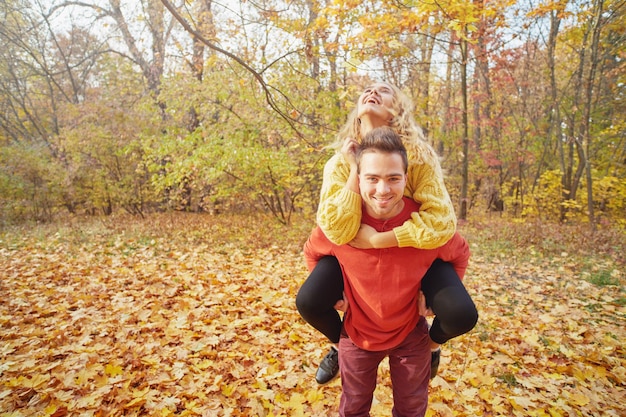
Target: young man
x: 382, y: 287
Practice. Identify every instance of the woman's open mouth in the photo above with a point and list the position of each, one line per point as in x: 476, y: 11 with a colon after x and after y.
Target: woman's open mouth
x: 371, y: 99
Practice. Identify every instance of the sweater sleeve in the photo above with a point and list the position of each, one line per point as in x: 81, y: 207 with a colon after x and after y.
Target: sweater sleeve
x: 339, y: 210
x: 435, y: 223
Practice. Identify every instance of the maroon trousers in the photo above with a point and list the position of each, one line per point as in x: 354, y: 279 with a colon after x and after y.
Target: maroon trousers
x: 409, y: 365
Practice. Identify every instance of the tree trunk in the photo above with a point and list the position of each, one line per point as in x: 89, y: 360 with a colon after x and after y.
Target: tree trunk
x: 446, y: 121
x: 205, y: 25
x: 465, y: 172
x: 554, y: 113
x: 595, y: 27
x: 427, y: 45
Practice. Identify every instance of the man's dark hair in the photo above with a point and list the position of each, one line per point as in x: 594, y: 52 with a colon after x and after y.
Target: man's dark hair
x: 384, y: 140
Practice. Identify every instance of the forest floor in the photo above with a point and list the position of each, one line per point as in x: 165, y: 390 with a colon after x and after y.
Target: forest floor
x: 193, y: 315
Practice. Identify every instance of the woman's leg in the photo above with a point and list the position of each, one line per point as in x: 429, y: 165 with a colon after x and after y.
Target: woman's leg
x: 455, y: 312
x: 317, y: 296
x: 315, y: 301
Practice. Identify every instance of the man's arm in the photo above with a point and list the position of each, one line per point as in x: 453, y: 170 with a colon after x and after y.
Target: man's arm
x: 316, y: 247
x: 457, y: 252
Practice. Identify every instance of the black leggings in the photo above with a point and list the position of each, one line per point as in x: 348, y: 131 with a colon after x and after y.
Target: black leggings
x: 455, y: 312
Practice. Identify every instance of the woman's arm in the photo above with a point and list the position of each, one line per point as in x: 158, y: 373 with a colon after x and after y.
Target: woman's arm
x: 435, y: 223
x: 339, y: 210
x: 429, y: 228
x: 368, y: 238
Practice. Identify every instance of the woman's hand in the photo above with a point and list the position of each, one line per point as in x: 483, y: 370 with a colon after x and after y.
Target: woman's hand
x: 348, y: 150
x: 362, y: 240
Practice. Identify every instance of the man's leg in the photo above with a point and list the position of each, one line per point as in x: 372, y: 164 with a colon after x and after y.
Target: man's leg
x: 409, y: 365
x: 358, y: 378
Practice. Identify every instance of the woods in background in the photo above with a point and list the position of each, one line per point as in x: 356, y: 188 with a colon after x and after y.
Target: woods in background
x: 207, y: 105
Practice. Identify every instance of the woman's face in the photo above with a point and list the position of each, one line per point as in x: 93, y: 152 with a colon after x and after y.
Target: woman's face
x: 375, y: 103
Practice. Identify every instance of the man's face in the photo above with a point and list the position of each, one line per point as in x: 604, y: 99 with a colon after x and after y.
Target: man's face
x: 381, y: 182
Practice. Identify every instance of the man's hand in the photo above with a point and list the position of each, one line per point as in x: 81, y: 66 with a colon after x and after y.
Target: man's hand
x: 342, y: 305
x: 362, y: 240
x: 421, y: 306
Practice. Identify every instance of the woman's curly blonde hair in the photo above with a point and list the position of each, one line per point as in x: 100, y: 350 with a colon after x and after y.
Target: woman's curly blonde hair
x: 403, y: 123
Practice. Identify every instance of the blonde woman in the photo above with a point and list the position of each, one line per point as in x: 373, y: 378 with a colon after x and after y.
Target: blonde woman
x: 339, y: 217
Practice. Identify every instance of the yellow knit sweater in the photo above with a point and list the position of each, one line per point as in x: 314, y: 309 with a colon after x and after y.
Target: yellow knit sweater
x: 339, y: 210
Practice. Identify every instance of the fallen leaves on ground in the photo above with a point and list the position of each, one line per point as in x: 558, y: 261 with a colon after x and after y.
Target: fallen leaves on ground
x: 178, y: 318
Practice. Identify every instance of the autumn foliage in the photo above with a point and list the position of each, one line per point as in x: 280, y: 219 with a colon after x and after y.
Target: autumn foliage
x: 110, y: 106
x: 193, y: 315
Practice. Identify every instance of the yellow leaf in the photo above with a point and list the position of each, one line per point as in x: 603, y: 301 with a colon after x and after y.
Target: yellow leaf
x: 151, y: 361
x: 34, y: 382
x: 485, y: 394
x: 50, y: 409
x: 438, y: 409
x: 579, y: 399
x: 314, y: 395
x: 532, y: 338
x: 113, y: 370
x: 521, y: 403
x: 142, y: 393
x: 546, y: 318
x: 446, y: 391
x: 228, y: 389
x: 295, y: 337
x: 554, y: 412
x: 352, y: 63
x: 482, y: 379
x: 395, y: 44
x: 205, y: 364
x: 136, y: 402
x: 166, y: 412
x: 296, y: 401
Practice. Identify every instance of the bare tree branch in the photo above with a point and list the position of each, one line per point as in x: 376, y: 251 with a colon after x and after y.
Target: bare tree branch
x: 266, y: 88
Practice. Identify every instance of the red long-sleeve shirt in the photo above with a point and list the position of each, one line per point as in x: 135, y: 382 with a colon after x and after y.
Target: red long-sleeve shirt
x: 382, y: 285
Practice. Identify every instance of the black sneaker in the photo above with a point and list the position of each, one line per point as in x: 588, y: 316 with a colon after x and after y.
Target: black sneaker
x: 329, y: 367
x: 435, y: 357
